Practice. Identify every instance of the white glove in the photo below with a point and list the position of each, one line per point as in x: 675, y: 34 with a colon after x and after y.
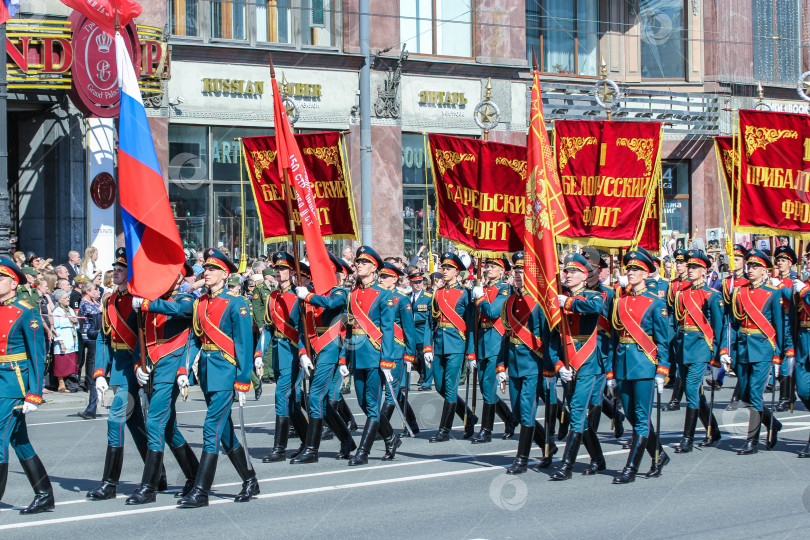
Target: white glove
x: 101, y: 385
x: 142, y: 376
x: 388, y: 375
x: 611, y: 383
x: 29, y: 407
x: 182, y: 382
x: 776, y: 281
x: 659, y: 382
x: 242, y: 398
x: 791, y: 364
x: 471, y: 365
x: 344, y: 371
x: 623, y: 281
x: 137, y: 302
x: 306, y: 365
x: 302, y: 292
x: 478, y: 292
x: 776, y: 370
x: 562, y: 299
x: 408, y: 366
x: 428, y: 358
x: 566, y: 374
x: 726, y: 361
x: 798, y: 286
x: 502, y: 377
x: 258, y: 363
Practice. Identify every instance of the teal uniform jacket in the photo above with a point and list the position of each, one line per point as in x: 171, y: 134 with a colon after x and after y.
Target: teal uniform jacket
x: 404, y: 329
x: 691, y: 344
x: 753, y: 346
x: 583, y: 310
x: 23, y: 341
x: 789, y: 304
x: 525, y: 351
x: 733, y: 325
x: 222, y: 324
x: 604, y: 345
x: 117, y: 341
x: 650, y: 313
x: 374, y: 306
x: 421, y: 314
x: 167, y: 333
x: 282, y: 320
x: 491, y: 332
x: 327, y: 311
x: 443, y: 336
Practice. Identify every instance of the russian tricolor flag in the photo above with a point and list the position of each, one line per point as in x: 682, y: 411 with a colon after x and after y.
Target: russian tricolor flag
x: 154, y: 250
x: 8, y: 8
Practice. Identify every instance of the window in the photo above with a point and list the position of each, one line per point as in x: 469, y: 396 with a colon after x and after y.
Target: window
x: 663, y: 39
x: 184, y: 17
x: 675, y: 184
x: 274, y: 21
x: 228, y: 19
x: 564, y: 34
x: 777, y: 45
x: 437, y: 27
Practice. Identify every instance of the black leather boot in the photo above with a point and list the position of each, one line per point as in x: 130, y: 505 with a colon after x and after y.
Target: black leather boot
x: 112, y: 472
x: 145, y: 493
x: 3, y: 479
x: 591, y: 442
x: 784, y: 389
x: 487, y: 421
x: 628, y: 474
x: 677, y: 393
x: 553, y: 416
x: 341, y: 430
x: 250, y: 484
x: 569, y: 457
x: 617, y: 416
x: 445, y: 424
x: 772, y: 429
x: 541, y: 438
x: 386, y: 430
x: 366, y: 442
x: 689, y: 425
x: 505, y: 414
x: 707, y: 419
x: 346, y: 413
x: 313, y: 442
x: 565, y: 421
x: 754, y: 427
x: 299, y: 421
x: 279, y: 450
x: 410, y: 417
x: 189, y: 465
x: 653, y: 445
x: 198, y: 496
x: 461, y: 410
x: 327, y: 434
x: 38, y: 478
x: 519, y: 465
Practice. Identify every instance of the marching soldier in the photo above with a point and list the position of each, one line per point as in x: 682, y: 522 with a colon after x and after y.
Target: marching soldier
x: 370, y: 347
x: 335, y: 392
x: 222, y: 330
x: 167, y: 329
x: 328, y: 329
x: 784, y: 259
x: 757, y: 311
x: 282, y: 321
x: 678, y: 283
x: 583, y: 310
x: 641, y: 343
x: 258, y: 305
x: 700, y: 340
x: 449, y: 339
x: 730, y: 284
x: 491, y: 331
x: 421, y: 301
x: 22, y: 364
x: 115, y: 346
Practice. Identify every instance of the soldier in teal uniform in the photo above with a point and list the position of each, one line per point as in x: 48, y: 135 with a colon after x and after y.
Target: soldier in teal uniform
x: 730, y: 284
x: 283, y: 322
x: 167, y: 330
x: 448, y: 340
x: 490, y: 299
x: 335, y: 389
x: 369, y: 346
x: 327, y: 313
x: 115, y: 347
x: 224, y: 336
x: 641, y: 330
x: 762, y: 339
x: 784, y: 259
x: 522, y: 364
x: 583, y: 310
x: 421, y: 300
x: 679, y: 282
x: 700, y: 339
x: 22, y: 365
x: 801, y: 367
x: 404, y: 347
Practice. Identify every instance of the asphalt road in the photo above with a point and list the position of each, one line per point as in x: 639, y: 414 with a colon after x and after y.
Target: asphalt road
x: 449, y: 490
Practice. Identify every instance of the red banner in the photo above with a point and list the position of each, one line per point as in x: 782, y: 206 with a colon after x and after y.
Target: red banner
x: 610, y: 173
x: 772, y: 196
x: 480, y: 192
x: 651, y: 235
x: 322, y: 154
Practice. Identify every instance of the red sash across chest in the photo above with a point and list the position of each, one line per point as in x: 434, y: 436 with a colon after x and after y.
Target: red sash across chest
x: 119, y: 309
x: 281, y: 307
x: 360, y: 304
x: 752, y: 301
x: 578, y: 357
x: 209, y: 315
x: 497, y: 324
x: 631, y: 312
x: 157, y: 347
x: 399, y: 334
x: 448, y: 300
x: 692, y: 301
x: 518, y: 312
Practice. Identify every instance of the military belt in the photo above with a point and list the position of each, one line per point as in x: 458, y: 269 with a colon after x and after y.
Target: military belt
x: 358, y: 332
x: 487, y: 325
x: 280, y: 335
x: 628, y: 341
x: 750, y: 330
x: 516, y: 341
x: 13, y: 359
x: 690, y: 328
x: 446, y: 325
x: 214, y: 347
x: 580, y: 339
x: 805, y: 324
x: 119, y: 346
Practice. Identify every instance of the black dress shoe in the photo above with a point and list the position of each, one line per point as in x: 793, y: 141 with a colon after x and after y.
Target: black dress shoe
x: 783, y: 406
x: 805, y: 453
x: 469, y: 427
x: 595, y: 467
x: 672, y: 406
x: 422, y: 388
x: 87, y: 415
x: 546, y: 461
x: 655, y: 469
x: 519, y: 465
x: 258, y: 392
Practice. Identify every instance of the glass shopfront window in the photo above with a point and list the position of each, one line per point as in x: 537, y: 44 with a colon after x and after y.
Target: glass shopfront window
x: 675, y: 183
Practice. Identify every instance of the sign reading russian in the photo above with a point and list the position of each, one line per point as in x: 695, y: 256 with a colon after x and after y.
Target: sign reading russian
x: 331, y: 185
x: 610, y: 173
x: 772, y: 195
x: 480, y: 192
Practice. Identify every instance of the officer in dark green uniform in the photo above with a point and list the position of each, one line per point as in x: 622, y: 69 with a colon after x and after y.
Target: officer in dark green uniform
x: 258, y: 305
x: 26, y: 291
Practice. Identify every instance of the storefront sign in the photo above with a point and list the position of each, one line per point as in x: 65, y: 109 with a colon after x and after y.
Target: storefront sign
x: 427, y: 97
x: 233, y: 87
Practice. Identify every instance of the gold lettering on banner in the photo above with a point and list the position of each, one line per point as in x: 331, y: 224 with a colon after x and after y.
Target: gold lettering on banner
x: 447, y: 159
x: 760, y: 137
x: 517, y: 165
x: 328, y: 154
x: 569, y: 146
x: 729, y: 160
x: 261, y: 161
x: 642, y: 148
